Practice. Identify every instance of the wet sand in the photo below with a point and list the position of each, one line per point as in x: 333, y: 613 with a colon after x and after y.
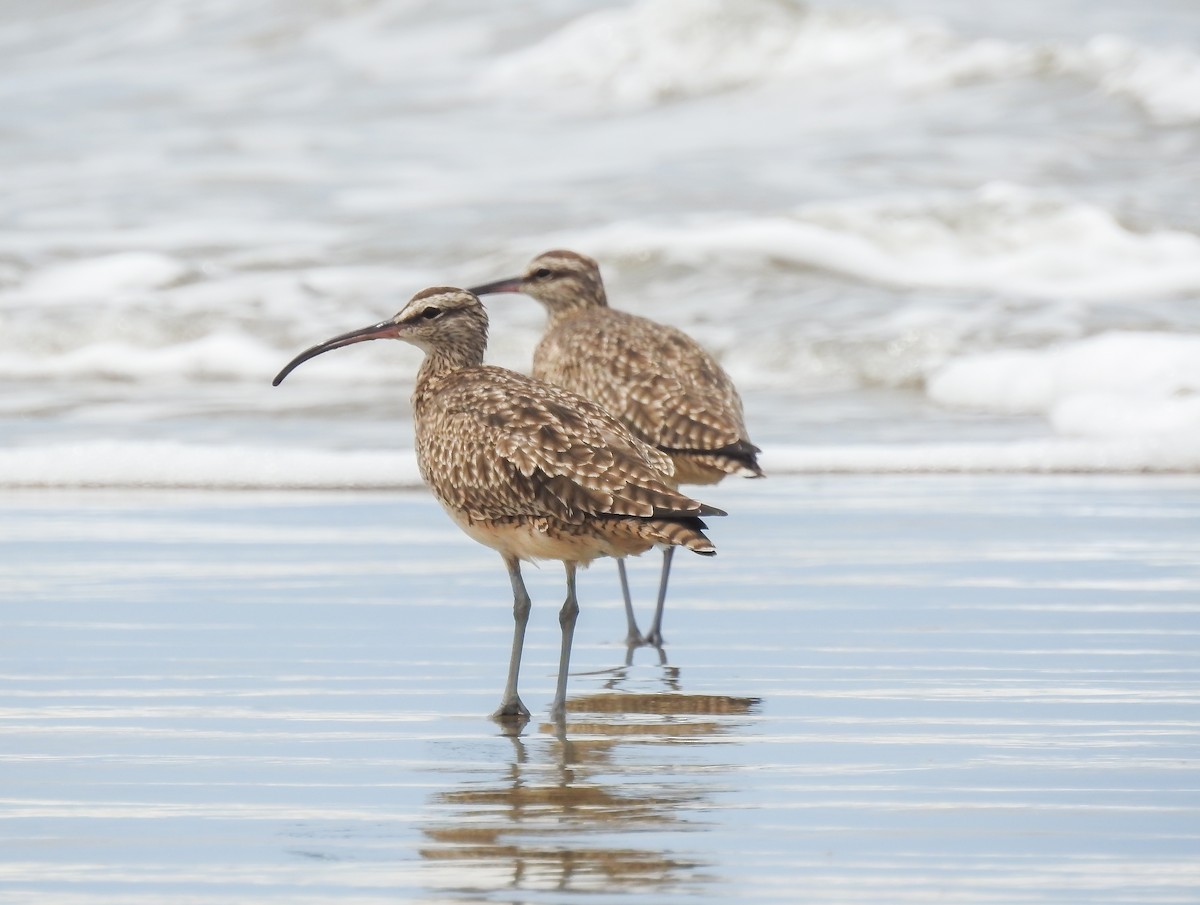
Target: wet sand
x: 884, y: 689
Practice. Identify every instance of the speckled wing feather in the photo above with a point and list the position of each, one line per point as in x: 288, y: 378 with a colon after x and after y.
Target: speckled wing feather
x: 658, y: 380
x: 505, y: 445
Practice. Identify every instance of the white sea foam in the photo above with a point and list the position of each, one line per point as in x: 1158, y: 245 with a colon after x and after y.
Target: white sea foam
x: 999, y: 238
x: 1042, y: 456
x: 1134, y: 394
x: 215, y: 356
x: 122, y: 317
x: 656, y: 51
x: 295, y: 238
x: 1146, y: 365
x: 1127, y: 415
x: 1002, y: 241
x: 661, y: 50
x: 103, y: 276
x: 169, y: 464
x: 1165, y: 82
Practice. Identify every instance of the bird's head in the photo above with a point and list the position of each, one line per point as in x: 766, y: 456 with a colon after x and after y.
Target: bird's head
x: 441, y: 321
x: 560, y: 280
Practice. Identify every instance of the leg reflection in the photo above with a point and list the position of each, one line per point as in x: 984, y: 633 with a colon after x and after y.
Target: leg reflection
x: 589, y: 804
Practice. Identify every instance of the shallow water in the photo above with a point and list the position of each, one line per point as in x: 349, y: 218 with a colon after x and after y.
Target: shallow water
x: 897, y: 689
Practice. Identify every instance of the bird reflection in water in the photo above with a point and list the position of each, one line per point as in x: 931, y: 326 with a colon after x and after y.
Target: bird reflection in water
x: 557, y: 816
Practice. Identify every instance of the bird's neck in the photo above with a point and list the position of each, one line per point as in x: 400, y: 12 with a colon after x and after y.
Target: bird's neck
x: 440, y: 363
x: 446, y: 360
x: 562, y: 312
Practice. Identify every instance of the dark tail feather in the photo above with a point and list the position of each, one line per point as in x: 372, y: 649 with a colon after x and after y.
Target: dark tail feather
x: 745, y: 454
x: 735, y: 458
x: 684, y: 532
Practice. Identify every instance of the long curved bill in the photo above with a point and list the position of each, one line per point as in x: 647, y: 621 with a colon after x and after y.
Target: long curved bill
x: 382, y: 330
x: 513, y: 284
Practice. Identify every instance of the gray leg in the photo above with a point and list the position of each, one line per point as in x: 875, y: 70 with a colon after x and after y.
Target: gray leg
x: 633, y: 637
x: 510, y: 705
x: 566, y: 618
x: 655, y: 636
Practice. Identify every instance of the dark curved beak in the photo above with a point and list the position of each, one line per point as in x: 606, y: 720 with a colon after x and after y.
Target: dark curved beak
x: 382, y: 330
x: 513, y: 284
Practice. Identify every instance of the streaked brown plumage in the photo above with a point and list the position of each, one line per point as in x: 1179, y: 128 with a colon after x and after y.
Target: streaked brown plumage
x: 528, y: 469
x: 669, y: 391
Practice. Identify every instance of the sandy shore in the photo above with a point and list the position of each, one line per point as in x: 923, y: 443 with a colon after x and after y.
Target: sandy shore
x: 901, y: 689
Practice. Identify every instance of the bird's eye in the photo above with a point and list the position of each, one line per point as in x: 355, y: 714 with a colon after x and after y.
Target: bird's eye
x: 430, y: 313
x: 543, y: 273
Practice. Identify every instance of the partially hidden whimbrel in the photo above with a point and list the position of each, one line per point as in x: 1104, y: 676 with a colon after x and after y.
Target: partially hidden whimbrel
x: 529, y: 469
x: 669, y: 391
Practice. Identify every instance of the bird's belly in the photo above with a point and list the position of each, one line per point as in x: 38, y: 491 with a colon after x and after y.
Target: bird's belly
x: 530, y: 538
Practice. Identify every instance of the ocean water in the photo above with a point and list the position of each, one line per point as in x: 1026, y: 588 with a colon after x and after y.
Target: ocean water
x: 886, y: 688
x: 921, y: 235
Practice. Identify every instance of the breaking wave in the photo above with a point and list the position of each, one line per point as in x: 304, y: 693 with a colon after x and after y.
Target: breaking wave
x: 1000, y: 238
x: 658, y: 51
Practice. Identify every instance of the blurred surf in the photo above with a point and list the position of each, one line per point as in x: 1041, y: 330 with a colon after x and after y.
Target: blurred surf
x: 883, y: 205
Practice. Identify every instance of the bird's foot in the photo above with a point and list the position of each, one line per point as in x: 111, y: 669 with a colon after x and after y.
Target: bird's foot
x: 654, y: 638
x: 634, y: 641
x: 511, y: 710
x: 558, y: 713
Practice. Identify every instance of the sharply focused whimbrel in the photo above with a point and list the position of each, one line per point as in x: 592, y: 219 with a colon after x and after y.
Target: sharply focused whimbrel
x: 529, y: 469
x: 669, y: 391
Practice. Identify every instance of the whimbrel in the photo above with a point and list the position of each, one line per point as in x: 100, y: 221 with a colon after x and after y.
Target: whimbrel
x: 529, y: 469
x: 668, y: 390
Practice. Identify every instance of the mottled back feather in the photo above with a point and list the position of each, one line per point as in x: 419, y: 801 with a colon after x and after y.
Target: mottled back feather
x: 658, y: 380
x: 492, y: 444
